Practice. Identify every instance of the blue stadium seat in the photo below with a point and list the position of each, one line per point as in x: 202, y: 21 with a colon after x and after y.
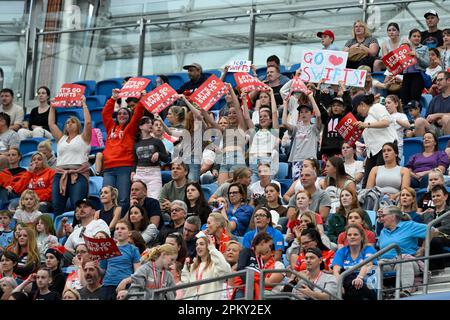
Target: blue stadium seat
x: 212, y: 71
x: 105, y: 87
x: 295, y: 67
x: 94, y: 150
x: 229, y: 77
x: 373, y: 217
x: 378, y: 76
x: 442, y: 141
x: 425, y: 104
x: 176, y: 80
x: 285, y: 185
x: 26, y: 159
x: 152, y: 84
x: 95, y: 102
x: 166, y: 176
x: 89, y: 85
x: 95, y: 185
x: 57, y: 221
x: 219, y: 104
x: 283, y: 170
x: 209, y: 189
x: 65, y: 113
x: 96, y: 114
x: 100, y: 125
x: 30, y: 145
x: 412, y: 146
x: 420, y: 193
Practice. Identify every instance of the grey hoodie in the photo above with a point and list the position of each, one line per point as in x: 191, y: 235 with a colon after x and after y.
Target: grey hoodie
x: 143, y: 280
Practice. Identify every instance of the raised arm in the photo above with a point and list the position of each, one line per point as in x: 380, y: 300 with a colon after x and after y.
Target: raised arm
x: 315, y: 110
x: 87, y: 130
x: 224, y: 73
x: 56, y: 133
x: 194, y: 110
x: 246, y: 115
x: 284, y: 121
x: 273, y: 105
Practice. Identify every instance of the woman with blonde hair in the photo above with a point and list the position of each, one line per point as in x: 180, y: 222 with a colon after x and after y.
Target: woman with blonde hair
x: 362, y: 48
x: 46, y: 148
x: 155, y: 274
x: 217, y: 226
x: 28, y: 209
x: 110, y: 213
x: 408, y: 204
x: 208, y: 264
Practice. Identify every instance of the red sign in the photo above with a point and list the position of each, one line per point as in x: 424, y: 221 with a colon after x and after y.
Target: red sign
x: 133, y: 87
x: 347, y: 129
x: 299, y: 86
x: 68, y: 96
x: 399, y: 59
x: 169, y: 138
x: 247, y: 83
x: 157, y: 100
x: 208, y: 93
x: 102, y: 248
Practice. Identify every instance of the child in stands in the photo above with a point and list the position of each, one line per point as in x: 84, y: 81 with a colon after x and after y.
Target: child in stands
x: 45, y: 234
x: 28, y: 212
x: 6, y: 233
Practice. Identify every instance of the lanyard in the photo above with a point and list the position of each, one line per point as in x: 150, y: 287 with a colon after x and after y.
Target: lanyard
x: 260, y: 262
x: 318, y: 276
x: 155, y: 277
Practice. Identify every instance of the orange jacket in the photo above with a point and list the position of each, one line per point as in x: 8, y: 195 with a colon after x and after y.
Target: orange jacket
x: 7, y: 179
x: 40, y: 182
x: 119, y: 145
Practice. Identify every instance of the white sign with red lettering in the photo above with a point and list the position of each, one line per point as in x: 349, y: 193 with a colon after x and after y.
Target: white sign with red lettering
x: 240, y: 66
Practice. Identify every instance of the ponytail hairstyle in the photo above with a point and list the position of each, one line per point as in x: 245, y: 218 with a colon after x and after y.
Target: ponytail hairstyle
x: 179, y: 113
x: 399, y: 215
x: 154, y: 253
x: 396, y: 100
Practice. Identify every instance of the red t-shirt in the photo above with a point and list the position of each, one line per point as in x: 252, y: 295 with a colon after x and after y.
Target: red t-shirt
x: 327, y: 257
x: 292, y: 223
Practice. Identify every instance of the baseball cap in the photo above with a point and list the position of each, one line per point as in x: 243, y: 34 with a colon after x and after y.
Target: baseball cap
x: 432, y: 12
x: 195, y: 65
x: 307, y: 106
x: 86, y: 201
x: 327, y: 33
x: 413, y: 104
x: 338, y: 99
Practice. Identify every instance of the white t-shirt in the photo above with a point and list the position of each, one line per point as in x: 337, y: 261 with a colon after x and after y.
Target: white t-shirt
x: 256, y: 187
x: 354, y: 168
x: 26, y: 217
x: 75, y: 152
x: 91, y: 229
x: 263, y: 143
x: 400, y: 130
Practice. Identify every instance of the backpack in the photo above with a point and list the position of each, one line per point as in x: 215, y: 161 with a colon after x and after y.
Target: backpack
x: 373, y: 199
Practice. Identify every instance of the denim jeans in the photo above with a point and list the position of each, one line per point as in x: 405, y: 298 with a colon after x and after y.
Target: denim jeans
x: 194, y: 172
x: 5, y: 196
x: 119, y: 178
x: 422, y: 183
x: 74, y: 192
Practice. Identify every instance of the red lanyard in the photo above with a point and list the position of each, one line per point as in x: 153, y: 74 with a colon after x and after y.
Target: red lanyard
x: 260, y: 263
x: 198, y: 274
x: 318, y: 276
x: 155, y: 277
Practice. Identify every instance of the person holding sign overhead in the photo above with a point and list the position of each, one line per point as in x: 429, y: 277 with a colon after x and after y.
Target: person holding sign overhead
x: 72, y: 165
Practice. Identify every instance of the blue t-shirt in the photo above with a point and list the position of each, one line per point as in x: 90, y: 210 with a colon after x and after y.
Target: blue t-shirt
x: 242, y: 218
x: 277, y: 236
x: 405, y: 235
x: 121, y: 267
x: 6, y: 238
x: 343, y: 257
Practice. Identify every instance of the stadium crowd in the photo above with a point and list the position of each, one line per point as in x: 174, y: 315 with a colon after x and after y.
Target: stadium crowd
x: 266, y: 182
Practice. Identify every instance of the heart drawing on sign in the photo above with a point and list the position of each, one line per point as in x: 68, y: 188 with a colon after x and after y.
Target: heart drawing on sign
x: 334, y: 60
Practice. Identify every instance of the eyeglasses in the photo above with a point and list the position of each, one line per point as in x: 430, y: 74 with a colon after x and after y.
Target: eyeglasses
x: 233, y: 192
x: 176, y: 210
x: 304, y: 243
x: 260, y: 215
x: 382, y: 215
x: 439, y: 79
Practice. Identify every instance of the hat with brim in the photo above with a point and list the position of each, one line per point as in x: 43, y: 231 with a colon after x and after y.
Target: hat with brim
x: 315, y: 251
x: 195, y: 65
x: 357, y: 100
x: 327, y: 33
x: 305, y: 106
x: 86, y: 201
x: 431, y: 12
x: 338, y: 99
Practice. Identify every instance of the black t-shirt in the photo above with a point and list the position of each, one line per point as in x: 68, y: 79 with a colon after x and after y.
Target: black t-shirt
x: 144, y: 150
x: 433, y: 39
x: 192, y: 85
x: 85, y: 294
x: 39, y: 119
x: 151, y: 206
x: 52, y: 295
x: 16, y: 171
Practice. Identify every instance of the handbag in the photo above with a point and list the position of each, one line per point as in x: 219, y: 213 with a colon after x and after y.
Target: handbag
x: 356, y: 54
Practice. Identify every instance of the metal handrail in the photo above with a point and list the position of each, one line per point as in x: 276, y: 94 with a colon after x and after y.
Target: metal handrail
x: 427, y: 249
x: 248, y: 273
x: 363, y: 263
x: 262, y: 282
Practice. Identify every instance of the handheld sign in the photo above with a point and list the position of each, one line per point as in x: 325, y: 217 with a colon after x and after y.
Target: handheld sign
x: 298, y: 86
x: 329, y: 65
x: 68, y: 96
x: 247, y: 83
x: 133, y: 87
x: 102, y: 248
x: 159, y: 99
x: 347, y: 129
x: 208, y: 93
x: 169, y: 137
x: 240, y: 66
x: 399, y: 59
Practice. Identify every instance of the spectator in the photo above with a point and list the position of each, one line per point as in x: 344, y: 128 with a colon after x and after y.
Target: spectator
x: 438, y: 118
x: 46, y: 148
x: 14, y: 111
x: 313, y: 272
x: 327, y: 37
x: 336, y: 177
x: 137, y: 217
x: 149, y: 152
x: 378, y: 130
x: 432, y: 37
x: 305, y: 135
x: 408, y: 204
x: 14, y: 157
x: 7, y: 234
x: 195, y: 201
x: 88, y: 225
x: 435, y: 177
x: 296, y: 186
x: 258, y: 188
x: 8, y: 263
x: 54, y: 258
x: 191, y: 227
x: 152, y: 275
x: 390, y: 177
x: 263, y: 223
x: 273, y: 200
x: 176, y: 117
x: 239, y: 213
x: 399, y: 229
x: 71, y: 294
x: 71, y: 180
x: 158, y: 132
x: 43, y: 280
x: 16, y: 232
x: 176, y: 239
x: 209, y: 263
x: 93, y: 279
x: 196, y: 78
x: 232, y: 252
x: 178, y: 214
x: 27, y: 211
x: 354, y: 168
x: 241, y: 175
x: 8, y: 137
x: 435, y: 64
x: 27, y: 251
x: 75, y: 280
x: 413, y: 109
x: 38, y: 125
x: 321, y: 201
x: 420, y: 164
x: 362, y: 48
x: 346, y: 257
x: 118, y: 153
x: 39, y: 179
x: 358, y: 217
x: 218, y: 228
x: 176, y: 188
x: 136, y: 239
x: 394, y: 107
x: 413, y: 77
x: 392, y: 43
x: 275, y: 81
x: 7, y: 285
x: 445, y: 49
x: 110, y: 213
x: 46, y: 234
x: 120, y: 268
